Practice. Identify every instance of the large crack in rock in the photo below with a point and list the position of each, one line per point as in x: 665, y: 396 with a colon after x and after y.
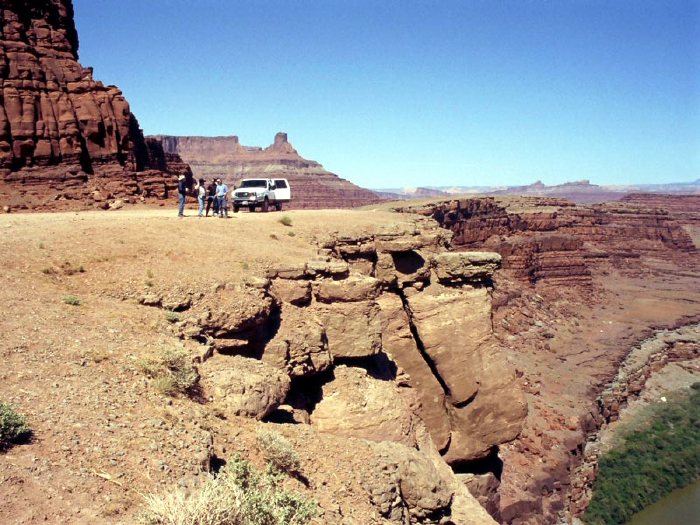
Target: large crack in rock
x: 376, y: 338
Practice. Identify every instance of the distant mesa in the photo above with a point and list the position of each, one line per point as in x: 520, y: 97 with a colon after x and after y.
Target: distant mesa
x: 66, y: 140
x: 579, y: 191
x: 224, y: 157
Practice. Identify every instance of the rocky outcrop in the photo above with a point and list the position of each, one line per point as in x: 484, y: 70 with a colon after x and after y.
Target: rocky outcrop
x: 579, y: 286
x: 224, y: 157
x: 553, y: 239
x: 66, y: 140
x: 355, y: 404
x: 386, y: 337
x: 390, y: 302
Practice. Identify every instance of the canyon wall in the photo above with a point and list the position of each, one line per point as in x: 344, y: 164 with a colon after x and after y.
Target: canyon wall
x: 377, y: 337
x: 224, y: 157
x: 66, y: 140
x: 580, y: 287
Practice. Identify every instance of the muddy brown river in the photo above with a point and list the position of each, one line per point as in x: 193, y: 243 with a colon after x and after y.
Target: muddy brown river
x: 680, y: 507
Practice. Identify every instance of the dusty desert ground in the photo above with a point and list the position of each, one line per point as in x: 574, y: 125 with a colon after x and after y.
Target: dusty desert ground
x: 102, y: 435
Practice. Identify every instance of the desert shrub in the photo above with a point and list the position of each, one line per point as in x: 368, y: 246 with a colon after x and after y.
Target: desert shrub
x: 69, y: 269
x: 71, y: 300
x: 180, y: 366
x: 13, y: 426
x: 656, y: 456
x: 238, y: 495
x: 171, y: 317
x: 286, y: 220
x: 165, y: 384
x: 291, y: 234
x: 172, y: 374
x: 277, y: 450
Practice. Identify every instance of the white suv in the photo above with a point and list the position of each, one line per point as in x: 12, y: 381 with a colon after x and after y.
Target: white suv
x: 261, y: 193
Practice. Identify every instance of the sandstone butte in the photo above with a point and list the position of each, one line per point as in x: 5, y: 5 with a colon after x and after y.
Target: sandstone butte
x: 67, y: 140
x: 224, y: 157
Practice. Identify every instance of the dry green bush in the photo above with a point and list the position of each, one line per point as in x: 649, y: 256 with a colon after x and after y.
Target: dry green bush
x: 173, y: 373
x: 277, y: 450
x: 71, y: 300
x: 238, y: 495
x: 13, y: 426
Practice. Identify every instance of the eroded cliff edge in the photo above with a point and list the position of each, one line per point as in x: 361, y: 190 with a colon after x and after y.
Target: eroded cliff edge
x: 377, y: 337
x: 336, y: 340
x: 581, y: 288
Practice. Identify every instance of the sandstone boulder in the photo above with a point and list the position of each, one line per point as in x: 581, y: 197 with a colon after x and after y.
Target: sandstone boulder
x: 353, y: 329
x: 465, y: 266
x: 354, y: 404
x: 496, y: 415
x: 234, y: 310
x: 299, y: 347
x: 408, y: 488
x: 399, y: 344
x: 244, y: 387
x: 353, y: 289
x: 296, y: 292
x: 452, y: 326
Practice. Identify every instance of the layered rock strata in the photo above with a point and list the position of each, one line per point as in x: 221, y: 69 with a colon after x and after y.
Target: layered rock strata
x: 66, y: 140
x: 553, y: 239
x: 386, y: 337
x: 580, y: 286
x: 224, y: 157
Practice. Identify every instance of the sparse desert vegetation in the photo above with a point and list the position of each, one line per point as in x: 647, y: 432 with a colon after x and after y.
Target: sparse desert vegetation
x: 237, y: 495
x: 13, y: 426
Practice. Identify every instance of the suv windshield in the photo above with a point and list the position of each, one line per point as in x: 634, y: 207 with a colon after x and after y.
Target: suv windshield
x: 254, y: 183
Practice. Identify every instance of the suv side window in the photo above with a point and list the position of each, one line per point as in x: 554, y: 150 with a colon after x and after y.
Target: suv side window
x: 280, y: 183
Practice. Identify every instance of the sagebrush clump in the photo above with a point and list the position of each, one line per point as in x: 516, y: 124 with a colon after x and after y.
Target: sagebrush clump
x: 278, y: 451
x: 173, y: 373
x: 71, y: 300
x: 13, y: 426
x: 238, y: 495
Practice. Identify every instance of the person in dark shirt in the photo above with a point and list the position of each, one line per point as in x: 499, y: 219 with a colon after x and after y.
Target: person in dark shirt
x: 181, y: 191
x: 212, y: 200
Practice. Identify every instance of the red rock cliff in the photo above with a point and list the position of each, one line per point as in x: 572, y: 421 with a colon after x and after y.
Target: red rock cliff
x: 63, y: 135
x: 580, y: 287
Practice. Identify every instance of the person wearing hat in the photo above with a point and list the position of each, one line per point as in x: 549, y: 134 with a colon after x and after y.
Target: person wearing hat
x: 181, y: 191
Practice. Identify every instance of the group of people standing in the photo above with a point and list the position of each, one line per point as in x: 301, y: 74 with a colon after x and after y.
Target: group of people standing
x: 215, y: 196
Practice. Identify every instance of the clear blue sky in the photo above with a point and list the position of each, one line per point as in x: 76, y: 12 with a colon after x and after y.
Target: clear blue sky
x: 416, y: 93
